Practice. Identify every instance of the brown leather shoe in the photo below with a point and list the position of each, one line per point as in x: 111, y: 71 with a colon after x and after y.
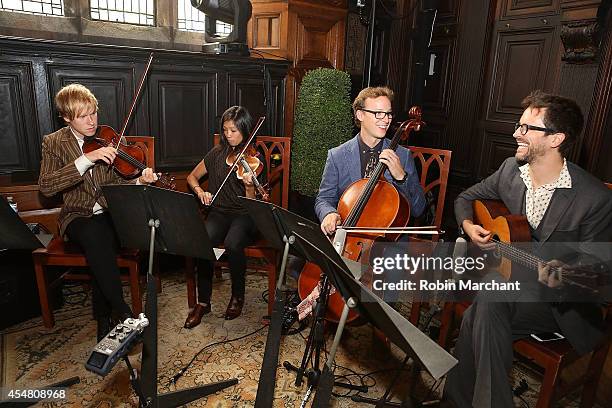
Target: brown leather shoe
x: 195, y: 316
x: 234, y: 308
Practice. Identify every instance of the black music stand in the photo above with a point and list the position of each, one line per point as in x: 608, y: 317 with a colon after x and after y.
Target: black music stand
x: 270, y: 218
x: 278, y: 224
x: 17, y: 235
x: 156, y: 219
x: 400, y: 331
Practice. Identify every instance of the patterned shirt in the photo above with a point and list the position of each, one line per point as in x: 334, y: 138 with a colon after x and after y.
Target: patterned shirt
x: 369, y: 157
x: 537, y: 200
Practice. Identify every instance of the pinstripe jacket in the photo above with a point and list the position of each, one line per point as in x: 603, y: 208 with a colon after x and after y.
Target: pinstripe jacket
x: 59, y: 175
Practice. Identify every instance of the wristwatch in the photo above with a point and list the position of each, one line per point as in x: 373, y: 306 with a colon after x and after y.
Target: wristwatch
x: 403, y: 180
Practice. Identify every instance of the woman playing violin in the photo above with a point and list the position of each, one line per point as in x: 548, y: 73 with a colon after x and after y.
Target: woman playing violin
x: 78, y: 177
x: 228, y: 221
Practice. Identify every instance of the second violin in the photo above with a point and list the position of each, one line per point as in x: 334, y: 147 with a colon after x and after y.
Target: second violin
x: 249, y: 165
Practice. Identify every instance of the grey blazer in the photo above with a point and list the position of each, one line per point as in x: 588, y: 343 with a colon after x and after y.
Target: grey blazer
x: 580, y: 214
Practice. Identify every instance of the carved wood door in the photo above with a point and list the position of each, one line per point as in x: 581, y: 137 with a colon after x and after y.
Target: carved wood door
x: 524, y: 51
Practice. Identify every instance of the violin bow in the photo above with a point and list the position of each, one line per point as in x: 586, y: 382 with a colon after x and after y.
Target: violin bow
x: 136, y: 96
x: 260, y: 122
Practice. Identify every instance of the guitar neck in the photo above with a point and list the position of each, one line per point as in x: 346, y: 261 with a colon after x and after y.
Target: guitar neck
x: 518, y: 255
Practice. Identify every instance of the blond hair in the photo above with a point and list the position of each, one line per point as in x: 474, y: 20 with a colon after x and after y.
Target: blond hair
x: 369, y: 92
x: 73, y: 99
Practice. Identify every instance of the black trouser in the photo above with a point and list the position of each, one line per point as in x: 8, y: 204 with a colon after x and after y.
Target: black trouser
x: 235, y: 232
x: 484, y: 346
x: 96, y: 237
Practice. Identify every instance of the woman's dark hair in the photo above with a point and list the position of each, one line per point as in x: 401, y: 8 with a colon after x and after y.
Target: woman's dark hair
x: 242, y: 120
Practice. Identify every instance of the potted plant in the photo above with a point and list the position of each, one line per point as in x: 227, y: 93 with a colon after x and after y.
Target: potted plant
x: 323, y: 119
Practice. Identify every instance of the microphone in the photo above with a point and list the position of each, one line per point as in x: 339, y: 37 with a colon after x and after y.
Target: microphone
x: 115, y: 345
x: 460, y: 249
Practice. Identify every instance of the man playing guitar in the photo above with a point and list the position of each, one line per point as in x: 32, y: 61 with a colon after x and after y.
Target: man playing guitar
x: 562, y: 203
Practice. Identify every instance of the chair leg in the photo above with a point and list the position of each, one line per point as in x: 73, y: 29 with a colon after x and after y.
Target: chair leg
x: 549, y: 384
x: 593, y: 374
x: 135, y: 288
x: 446, y: 321
x: 43, y: 295
x: 190, y: 278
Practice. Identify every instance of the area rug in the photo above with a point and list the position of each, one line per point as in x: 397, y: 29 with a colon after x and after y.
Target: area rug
x: 32, y: 356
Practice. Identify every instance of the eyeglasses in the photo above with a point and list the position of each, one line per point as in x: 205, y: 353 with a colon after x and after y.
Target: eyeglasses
x: 525, y: 128
x: 379, y: 114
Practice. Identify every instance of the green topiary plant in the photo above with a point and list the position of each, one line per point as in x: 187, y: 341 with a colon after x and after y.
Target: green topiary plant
x: 323, y: 119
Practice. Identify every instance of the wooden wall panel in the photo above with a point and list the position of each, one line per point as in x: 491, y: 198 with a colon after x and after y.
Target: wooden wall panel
x: 18, y: 135
x: 183, y: 114
x: 522, y: 60
x: 518, y: 8
x: 248, y: 90
x: 182, y: 99
x: 311, y: 35
x: 112, y: 86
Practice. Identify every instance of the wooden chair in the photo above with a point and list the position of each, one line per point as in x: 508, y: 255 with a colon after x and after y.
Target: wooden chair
x: 66, y: 254
x: 434, y: 181
x: 552, y: 357
x: 433, y: 166
x: 277, y: 155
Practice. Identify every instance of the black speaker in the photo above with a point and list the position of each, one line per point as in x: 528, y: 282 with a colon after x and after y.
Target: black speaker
x: 18, y: 290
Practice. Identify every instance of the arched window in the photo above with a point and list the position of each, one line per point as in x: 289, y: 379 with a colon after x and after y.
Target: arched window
x: 44, y: 7
x: 141, y: 12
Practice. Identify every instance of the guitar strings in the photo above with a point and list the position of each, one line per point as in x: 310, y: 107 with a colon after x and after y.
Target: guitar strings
x: 533, y: 261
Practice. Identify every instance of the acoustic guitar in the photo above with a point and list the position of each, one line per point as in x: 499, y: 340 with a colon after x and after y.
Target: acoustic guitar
x: 507, y: 228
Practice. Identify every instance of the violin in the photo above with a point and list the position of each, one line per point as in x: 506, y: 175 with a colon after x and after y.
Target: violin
x: 130, y: 160
x: 248, y: 165
x: 242, y: 162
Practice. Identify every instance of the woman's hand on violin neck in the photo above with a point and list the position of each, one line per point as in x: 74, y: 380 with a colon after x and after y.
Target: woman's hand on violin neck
x: 107, y: 154
x: 330, y: 222
x: 393, y: 163
x: 148, y: 176
x: 247, y: 179
x: 204, y: 196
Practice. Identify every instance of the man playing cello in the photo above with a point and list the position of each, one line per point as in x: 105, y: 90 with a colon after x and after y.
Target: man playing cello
x: 372, y: 110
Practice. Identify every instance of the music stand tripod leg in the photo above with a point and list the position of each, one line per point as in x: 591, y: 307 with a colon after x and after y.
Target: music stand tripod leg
x: 326, y: 381
x: 316, y: 337
x: 149, y: 359
x: 267, y: 383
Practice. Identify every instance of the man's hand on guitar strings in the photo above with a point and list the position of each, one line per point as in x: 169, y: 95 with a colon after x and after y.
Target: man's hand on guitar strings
x: 550, y: 273
x: 478, y: 235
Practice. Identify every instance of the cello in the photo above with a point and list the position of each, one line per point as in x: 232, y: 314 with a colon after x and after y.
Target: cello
x: 367, y: 203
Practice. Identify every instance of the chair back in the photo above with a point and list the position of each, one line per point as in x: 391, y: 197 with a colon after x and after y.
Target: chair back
x: 433, y: 166
x: 277, y: 155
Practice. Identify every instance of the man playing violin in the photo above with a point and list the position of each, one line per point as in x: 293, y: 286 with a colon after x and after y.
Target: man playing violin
x: 83, y: 219
x: 562, y: 203
x: 228, y: 222
x: 358, y: 157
